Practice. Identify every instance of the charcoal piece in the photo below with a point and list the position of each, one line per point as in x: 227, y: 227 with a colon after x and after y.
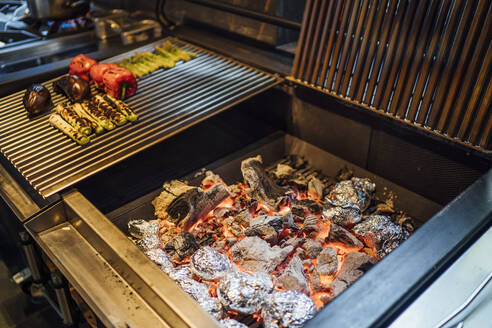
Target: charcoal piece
x: 354, y: 266
x: 181, y: 246
x: 355, y: 193
x: 294, y: 242
x: 268, y: 227
x: 150, y: 238
x: 344, y: 216
x: 310, y: 224
x: 223, y: 212
x: 287, y: 309
x: 380, y: 233
x: 236, y: 230
x: 383, y: 209
x: 209, y: 264
x: 184, y: 205
x: 243, y: 218
x: 243, y: 292
x: 231, y: 323
x: 312, y: 247
x: 303, y: 206
x: 260, y: 186
x: 210, y: 179
x: 404, y: 221
x: 255, y: 255
x: 297, y: 161
x: 284, y: 171
x: 292, y: 278
x: 315, y: 188
x: 327, y: 262
x: 137, y: 228
x: 344, y: 174
x: 340, y: 235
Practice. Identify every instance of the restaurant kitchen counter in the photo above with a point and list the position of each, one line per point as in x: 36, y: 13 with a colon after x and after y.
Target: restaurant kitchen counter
x: 40, y: 60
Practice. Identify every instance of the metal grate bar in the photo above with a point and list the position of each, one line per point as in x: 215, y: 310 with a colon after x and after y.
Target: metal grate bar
x: 424, y: 63
x: 167, y: 101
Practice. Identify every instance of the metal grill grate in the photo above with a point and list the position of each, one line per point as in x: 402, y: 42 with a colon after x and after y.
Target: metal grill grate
x: 425, y: 63
x: 167, y: 102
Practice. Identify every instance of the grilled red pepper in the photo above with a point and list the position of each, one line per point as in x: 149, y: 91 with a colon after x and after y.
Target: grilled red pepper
x: 81, y: 65
x: 119, y: 83
x: 97, y: 72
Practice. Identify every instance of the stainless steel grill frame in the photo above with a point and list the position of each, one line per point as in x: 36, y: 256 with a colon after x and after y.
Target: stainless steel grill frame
x: 167, y: 101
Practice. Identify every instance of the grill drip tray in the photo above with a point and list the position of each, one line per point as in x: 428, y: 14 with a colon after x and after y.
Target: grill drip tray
x: 167, y: 101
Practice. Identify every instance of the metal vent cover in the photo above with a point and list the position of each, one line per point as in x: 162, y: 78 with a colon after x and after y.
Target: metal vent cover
x: 425, y: 63
x: 167, y: 101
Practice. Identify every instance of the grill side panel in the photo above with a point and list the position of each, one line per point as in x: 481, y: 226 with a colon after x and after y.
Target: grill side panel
x: 425, y: 63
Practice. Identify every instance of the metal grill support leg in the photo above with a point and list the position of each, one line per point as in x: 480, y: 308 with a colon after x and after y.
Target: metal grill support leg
x: 63, y: 298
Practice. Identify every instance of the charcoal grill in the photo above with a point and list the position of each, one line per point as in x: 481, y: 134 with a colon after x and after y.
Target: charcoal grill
x: 76, y: 202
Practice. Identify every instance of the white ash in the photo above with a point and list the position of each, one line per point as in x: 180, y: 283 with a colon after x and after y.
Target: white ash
x: 210, y: 264
x: 356, y: 193
x: 312, y: 247
x: 243, y: 292
x: 344, y: 216
x: 287, y: 309
x: 293, y: 278
x: 380, y: 232
x: 315, y: 188
x: 341, y: 235
x: 231, y: 323
x: 327, y: 262
x: 256, y: 255
x: 294, y: 242
x: 243, y: 218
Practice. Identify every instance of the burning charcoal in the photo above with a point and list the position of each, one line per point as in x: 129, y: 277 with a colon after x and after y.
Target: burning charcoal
x: 209, y: 264
x: 380, y: 233
x: 315, y: 188
x: 150, y: 239
x: 310, y: 224
x: 181, y: 246
x: 236, y: 230
x: 312, y: 248
x: 268, y: 227
x: 354, y: 266
x: 231, y: 241
x: 355, y: 193
x: 137, y: 228
x: 287, y: 309
x: 294, y: 242
x: 344, y: 174
x: 159, y: 257
x: 243, y: 292
x: 260, y: 185
x: 344, y: 216
x: 326, y: 262
x: 284, y: 171
x: 243, y: 218
x: 254, y: 254
x: 220, y: 244
x: 404, y: 221
x: 230, y: 323
x: 292, y: 278
x: 340, y: 235
x: 183, y: 205
x: 306, y: 206
x: 210, y: 179
x: 223, y: 212
x: 316, y: 282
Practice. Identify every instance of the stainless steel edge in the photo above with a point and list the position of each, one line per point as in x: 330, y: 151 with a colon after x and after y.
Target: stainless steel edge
x: 16, y: 198
x: 161, y: 293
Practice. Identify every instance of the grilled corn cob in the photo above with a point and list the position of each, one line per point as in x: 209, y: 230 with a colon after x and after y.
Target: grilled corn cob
x: 96, y: 125
x: 108, y: 111
x: 98, y: 115
x: 121, y: 107
x: 81, y: 124
x: 57, y: 121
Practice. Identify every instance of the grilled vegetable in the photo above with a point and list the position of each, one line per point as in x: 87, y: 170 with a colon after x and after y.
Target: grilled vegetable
x: 73, y: 87
x: 98, y: 115
x: 37, y: 99
x: 119, y: 83
x: 167, y: 49
x: 108, y: 111
x: 58, y: 122
x: 80, y: 66
x: 121, y: 107
x: 96, y: 125
x: 80, y: 124
x: 97, y: 71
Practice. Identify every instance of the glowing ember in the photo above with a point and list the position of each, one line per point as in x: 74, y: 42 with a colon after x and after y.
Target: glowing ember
x: 290, y: 227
